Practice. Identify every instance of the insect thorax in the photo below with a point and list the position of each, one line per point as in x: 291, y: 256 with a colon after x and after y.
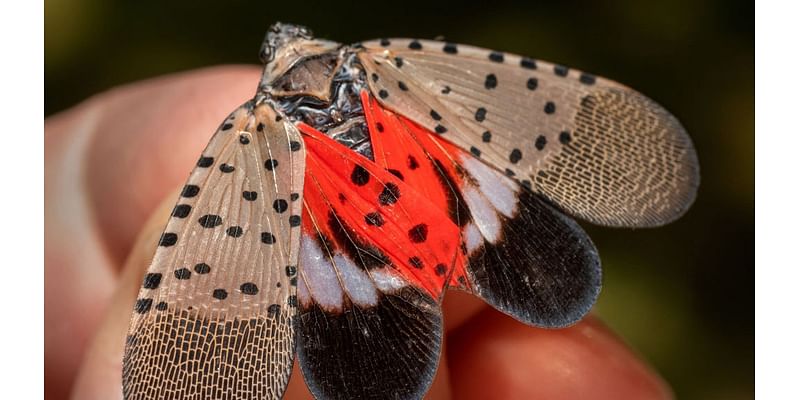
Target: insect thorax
x: 319, y: 83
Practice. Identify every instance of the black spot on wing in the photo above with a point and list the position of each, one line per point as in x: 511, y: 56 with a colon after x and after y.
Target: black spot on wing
x: 389, y: 351
x: 544, y: 271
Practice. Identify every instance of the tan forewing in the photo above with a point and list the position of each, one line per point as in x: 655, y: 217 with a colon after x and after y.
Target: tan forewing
x: 215, y: 315
x: 597, y: 149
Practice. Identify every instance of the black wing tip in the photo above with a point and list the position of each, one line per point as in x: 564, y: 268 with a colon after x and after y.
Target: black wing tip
x: 355, y: 365
x: 544, y: 281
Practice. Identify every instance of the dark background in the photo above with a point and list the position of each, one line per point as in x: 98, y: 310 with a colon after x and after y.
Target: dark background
x: 681, y: 295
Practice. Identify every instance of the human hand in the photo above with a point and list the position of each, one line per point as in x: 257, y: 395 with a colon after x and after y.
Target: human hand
x: 113, y: 167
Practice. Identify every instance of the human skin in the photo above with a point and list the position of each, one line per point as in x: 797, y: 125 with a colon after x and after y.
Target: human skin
x: 113, y: 166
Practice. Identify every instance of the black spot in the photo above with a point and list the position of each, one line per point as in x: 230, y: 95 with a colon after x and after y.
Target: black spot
x: 515, y: 156
x: 359, y: 176
x: 294, y: 196
x: 379, y: 126
x: 152, y: 280
x: 587, y: 79
x: 396, y: 173
x: 273, y: 310
x: 143, y: 305
x: 541, y: 141
x: 205, y: 162
x: 389, y: 195
x: 374, y: 77
x: 249, y: 196
x: 226, y: 168
x: 402, y: 86
x: 415, y: 262
x: 260, y: 127
x: 168, y: 239
x: 249, y: 288
x: 487, y: 137
x: 294, y: 221
x: 374, y: 219
x: 190, y: 191
x: 496, y: 57
x: 202, y: 268
x: 491, y: 81
x: 280, y: 205
x: 527, y: 63
x: 342, y: 198
x: 412, y: 163
x: 440, y: 129
x: 560, y: 70
x: 291, y: 301
x: 383, y: 93
x: 291, y: 270
x: 480, y: 114
x: 532, y: 84
x: 270, y: 164
x: 450, y: 48
x: 440, y: 269
x: 267, y: 238
x: 294, y: 145
x: 210, y: 221
x: 235, y: 231
x: 161, y: 306
x: 446, y: 90
x: 293, y: 281
x: 220, y: 294
x: 564, y: 137
x: 415, y: 45
x: 398, y: 61
x: 418, y: 234
x: 549, y: 107
x: 183, y: 273
x: 475, y: 152
x: 181, y: 210
x: 243, y: 139
x: 385, y: 42
x: 435, y: 115
x: 227, y: 126
x: 509, y: 172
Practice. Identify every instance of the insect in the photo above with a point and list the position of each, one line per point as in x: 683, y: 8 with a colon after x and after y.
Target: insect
x: 329, y: 214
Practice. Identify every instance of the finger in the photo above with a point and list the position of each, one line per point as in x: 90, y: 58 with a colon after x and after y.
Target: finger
x: 494, y: 356
x: 100, y: 374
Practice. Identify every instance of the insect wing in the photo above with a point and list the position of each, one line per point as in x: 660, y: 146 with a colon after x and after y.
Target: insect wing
x: 215, y: 314
x: 519, y: 254
x: 595, y: 148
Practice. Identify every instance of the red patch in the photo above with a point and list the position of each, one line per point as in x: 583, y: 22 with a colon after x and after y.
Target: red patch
x: 363, y: 210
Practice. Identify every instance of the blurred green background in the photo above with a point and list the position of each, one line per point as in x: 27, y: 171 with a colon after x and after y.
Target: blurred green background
x: 681, y: 295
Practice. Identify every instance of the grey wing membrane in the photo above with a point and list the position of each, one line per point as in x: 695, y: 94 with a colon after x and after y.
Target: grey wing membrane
x: 216, y: 311
x: 595, y: 148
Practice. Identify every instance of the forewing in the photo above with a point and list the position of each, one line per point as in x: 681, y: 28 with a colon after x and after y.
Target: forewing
x: 597, y: 149
x: 215, y: 314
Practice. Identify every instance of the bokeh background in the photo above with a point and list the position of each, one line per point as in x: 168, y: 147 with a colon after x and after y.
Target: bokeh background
x: 681, y: 295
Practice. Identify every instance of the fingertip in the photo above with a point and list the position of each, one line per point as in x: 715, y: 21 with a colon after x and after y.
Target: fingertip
x: 494, y: 356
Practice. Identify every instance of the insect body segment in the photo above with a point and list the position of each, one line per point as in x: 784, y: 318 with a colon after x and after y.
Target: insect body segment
x: 335, y: 209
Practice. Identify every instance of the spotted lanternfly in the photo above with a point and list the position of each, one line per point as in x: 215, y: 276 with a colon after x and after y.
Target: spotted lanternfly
x: 329, y: 214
